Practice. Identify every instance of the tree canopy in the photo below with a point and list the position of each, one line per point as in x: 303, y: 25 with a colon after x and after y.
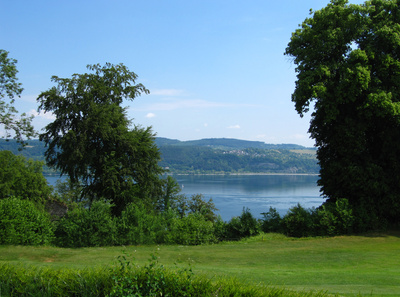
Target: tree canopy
x: 348, y: 64
x: 91, y: 140
x: 22, y: 178
x: 9, y: 89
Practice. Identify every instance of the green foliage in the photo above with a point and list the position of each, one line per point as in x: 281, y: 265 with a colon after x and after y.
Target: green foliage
x: 83, y: 227
x: 272, y: 221
x: 95, y: 226
x: 299, y: 222
x: 138, y: 225
x: 335, y: 218
x: 348, y: 65
x: 22, y: 223
x: 170, y: 192
x: 22, y: 178
x: 329, y: 219
x: 243, y: 226
x: 127, y: 279
x: 11, y: 88
x: 20, y: 280
x: 90, y: 140
x: 192, y: 229
x: 206, y: 209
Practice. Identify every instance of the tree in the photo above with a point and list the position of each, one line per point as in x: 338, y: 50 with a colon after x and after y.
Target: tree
x: 90, y: 139
x: 348, y: 64
x: 23, y: 179
x: 11, y: 88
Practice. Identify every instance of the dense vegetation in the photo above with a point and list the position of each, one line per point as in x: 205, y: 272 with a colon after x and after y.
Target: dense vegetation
x: 348, y: 74
x: 127, y: 279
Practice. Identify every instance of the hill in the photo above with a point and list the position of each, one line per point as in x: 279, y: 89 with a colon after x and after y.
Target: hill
x: 211, y: 156
x: 228, y: 143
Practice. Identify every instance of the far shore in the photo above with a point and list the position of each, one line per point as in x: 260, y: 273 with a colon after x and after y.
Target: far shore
x: 245, y: 173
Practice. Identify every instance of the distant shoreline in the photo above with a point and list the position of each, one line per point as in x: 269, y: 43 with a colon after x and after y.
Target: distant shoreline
x: 245, y: 173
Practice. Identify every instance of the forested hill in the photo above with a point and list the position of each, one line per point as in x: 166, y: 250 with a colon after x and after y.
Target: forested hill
x: 226, y: 155
x: 218, y: 155
x: 228, y: 143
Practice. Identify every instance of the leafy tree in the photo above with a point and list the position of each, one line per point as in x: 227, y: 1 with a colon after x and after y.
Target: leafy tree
x: 9, y: 89
x: 170, y: 194
x: 22, y: 178
x: 90, y: 139
x: 348, y: 64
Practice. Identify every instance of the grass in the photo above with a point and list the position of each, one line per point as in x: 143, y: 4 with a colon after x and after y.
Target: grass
x: 350, y: 265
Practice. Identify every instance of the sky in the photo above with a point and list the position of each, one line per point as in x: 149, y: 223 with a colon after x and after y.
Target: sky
x: 214, y: 68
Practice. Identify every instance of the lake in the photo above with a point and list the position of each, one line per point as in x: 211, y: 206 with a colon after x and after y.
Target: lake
x: 230, y: 193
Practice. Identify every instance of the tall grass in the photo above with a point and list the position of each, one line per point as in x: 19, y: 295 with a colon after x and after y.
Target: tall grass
x: 126, y: 280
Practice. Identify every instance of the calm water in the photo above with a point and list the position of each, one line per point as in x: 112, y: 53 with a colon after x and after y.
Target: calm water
x: 256, y: 192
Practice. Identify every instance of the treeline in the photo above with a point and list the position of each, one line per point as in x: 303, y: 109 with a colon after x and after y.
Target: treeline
x: 210, y: 156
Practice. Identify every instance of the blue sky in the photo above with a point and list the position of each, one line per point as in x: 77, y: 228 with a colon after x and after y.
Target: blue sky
x: 214, y: 68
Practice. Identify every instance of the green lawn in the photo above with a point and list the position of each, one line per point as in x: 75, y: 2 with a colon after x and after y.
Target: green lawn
x: 348, y: 265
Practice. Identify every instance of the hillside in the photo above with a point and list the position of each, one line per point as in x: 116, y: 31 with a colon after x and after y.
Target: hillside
x: 217, y: 155
x: 228, y: 143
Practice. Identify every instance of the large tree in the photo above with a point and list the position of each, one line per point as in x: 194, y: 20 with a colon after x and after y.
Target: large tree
x: 14, y: 125
x: 348, y: 65
x: 91, y: 140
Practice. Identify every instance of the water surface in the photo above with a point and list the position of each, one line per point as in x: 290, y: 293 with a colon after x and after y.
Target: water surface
x: 230, y: 193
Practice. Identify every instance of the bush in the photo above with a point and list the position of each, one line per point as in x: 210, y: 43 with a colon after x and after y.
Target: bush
x: 21, y: 223
x: 137, y: 225
x: 243, y: 226
x: 192, y: 229
x: 335, y: 218
x: 84, y: 227
x: 299, y: 222
x: 272, y: 221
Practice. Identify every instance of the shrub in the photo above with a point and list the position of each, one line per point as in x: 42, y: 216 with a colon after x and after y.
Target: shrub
x: 272, y: 221
x: 137, y: 225
x: 299, y: 222
x: 335, y: 218
x: 83, y: 227
x: 21, y: 223
x: 192, y: 229
x: 243, y: 226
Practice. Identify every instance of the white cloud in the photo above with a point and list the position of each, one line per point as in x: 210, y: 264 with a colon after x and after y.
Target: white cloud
x: 41, y: 114
x: 150, y: 115
x: 234, y: 127
x: 167, y: 92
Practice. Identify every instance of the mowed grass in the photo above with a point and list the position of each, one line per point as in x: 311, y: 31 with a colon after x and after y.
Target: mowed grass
x: 350, y: 265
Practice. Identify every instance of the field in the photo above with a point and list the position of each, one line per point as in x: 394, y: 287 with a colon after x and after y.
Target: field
x: 350, y: 265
